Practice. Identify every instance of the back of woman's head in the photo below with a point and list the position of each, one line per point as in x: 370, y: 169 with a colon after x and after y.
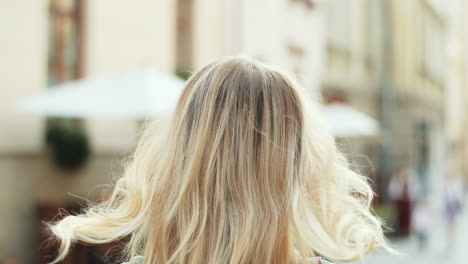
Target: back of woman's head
x: 244, y: 173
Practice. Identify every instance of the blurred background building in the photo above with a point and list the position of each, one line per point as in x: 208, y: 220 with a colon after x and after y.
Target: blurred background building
x: 401, y: 62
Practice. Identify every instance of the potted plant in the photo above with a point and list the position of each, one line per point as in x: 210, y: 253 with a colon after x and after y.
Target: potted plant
x: 68, y: 144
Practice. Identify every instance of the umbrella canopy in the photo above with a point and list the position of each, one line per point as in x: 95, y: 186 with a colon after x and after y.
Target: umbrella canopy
x: 137, y: 94
x: 345, y: 121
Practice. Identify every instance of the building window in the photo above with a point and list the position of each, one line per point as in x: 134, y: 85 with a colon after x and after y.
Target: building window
x: 184, y: 40
x: 432, y: 59
x: 339, y: 39
x: 339, y: 23
x: 65, y: 40
x: 296, y: 56
x: 371, y: 32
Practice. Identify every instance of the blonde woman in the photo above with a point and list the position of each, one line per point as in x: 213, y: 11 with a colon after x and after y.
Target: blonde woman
x: 244, y: 173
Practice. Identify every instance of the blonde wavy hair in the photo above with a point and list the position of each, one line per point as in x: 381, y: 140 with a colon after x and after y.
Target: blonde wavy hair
x: 244, y: 173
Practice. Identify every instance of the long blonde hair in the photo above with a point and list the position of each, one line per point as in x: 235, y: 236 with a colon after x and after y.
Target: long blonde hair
x: 244, y: 173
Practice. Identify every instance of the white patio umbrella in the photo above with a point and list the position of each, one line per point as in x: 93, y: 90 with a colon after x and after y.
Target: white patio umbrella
x: 137, y: 94
x: 146, y: 92
x: 344, y: 121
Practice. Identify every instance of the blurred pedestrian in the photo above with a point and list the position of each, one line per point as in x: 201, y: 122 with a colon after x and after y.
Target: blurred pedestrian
x: 453, y: 205
x: 402, y: 191
x: 244, y: 173
x: 421, y: 222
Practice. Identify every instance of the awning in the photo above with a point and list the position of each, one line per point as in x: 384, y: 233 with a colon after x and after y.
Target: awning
x: 136, y: 94
x: 345, y: 121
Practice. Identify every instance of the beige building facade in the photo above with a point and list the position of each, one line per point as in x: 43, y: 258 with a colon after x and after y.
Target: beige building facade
x: 408, y: 55
x: 352, y: 64
x: 286, y: 33
x: 456, y: 95
x: 117, y: 36
x: 420, y: 80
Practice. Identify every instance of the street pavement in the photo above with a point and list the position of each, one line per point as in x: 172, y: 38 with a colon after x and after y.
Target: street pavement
x: 437, y: 251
